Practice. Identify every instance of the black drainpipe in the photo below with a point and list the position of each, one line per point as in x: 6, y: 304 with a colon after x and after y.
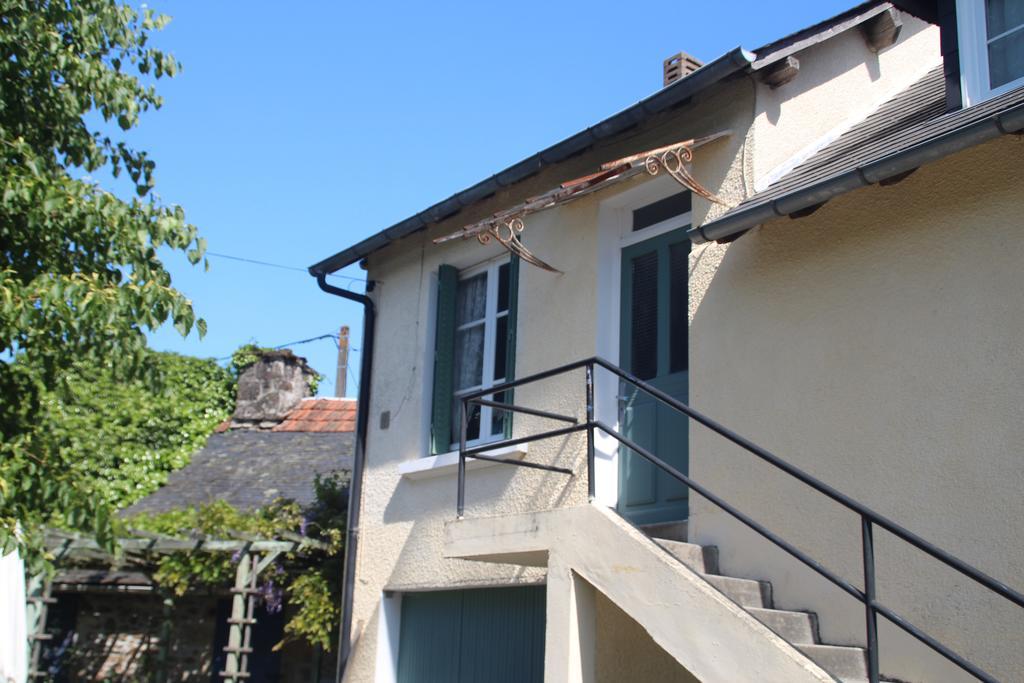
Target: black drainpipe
x: 356, y: 486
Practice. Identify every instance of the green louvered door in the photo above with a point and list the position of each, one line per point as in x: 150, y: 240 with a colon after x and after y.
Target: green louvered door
x: 492, y: 635
x: 654, y: 347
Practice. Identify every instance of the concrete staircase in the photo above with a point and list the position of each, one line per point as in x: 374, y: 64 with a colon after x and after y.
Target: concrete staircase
x: 800, y: 629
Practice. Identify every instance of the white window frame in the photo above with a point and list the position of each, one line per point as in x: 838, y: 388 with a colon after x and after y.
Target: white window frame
x: 491, y: 317
x: 974, y: 67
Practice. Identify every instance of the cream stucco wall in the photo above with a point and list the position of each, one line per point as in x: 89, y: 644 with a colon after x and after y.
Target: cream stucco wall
x: 400, y: 529
x: 562, y: 317
x: 878, y: 344
x: 625, y: 651
x: 840, y: 81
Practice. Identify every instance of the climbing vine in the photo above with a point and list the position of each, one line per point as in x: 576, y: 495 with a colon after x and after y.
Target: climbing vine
x: 308, y: 580
x: 127, y: 435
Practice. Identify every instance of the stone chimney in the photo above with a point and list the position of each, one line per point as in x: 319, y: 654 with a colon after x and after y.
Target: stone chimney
x: 678, y: 66
x: 270, y: 388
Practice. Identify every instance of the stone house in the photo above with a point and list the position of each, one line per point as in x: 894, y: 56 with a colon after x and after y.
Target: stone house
x: 112, y: 625
x: 797, y: 457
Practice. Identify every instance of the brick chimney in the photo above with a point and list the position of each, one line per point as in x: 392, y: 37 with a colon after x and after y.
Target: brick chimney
x: 678, y: 66
x: 270, y: 388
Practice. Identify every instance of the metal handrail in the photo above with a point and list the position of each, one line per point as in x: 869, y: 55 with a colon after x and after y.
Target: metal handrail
x: 869, y: 518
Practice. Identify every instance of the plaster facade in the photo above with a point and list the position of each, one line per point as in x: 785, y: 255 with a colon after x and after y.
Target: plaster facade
x: 840, y: 82
x: 878, y: 345
x: 400, y: 546
x: 568, y: 316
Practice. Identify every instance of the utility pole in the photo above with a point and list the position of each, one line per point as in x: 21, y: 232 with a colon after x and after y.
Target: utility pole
x: 342, y: 376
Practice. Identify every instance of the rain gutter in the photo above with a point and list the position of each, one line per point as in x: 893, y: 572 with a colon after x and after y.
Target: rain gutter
x: 736, y: 223
x: 358, y: 466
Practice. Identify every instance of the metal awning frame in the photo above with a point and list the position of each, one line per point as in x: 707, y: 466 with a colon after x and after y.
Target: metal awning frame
x: 506, y: 226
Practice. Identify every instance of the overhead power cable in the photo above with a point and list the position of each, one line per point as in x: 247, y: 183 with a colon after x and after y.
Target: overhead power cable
x: 333, y: 336
x: 279, y: 265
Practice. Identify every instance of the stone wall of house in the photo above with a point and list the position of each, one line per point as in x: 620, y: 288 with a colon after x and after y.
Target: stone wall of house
x: 116, y: 637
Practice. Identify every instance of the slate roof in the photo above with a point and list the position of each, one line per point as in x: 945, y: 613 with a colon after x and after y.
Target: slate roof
x: 252, y: 468
x: 913, y: 117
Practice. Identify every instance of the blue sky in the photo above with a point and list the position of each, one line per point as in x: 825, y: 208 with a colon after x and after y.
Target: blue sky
x: 297, y: 129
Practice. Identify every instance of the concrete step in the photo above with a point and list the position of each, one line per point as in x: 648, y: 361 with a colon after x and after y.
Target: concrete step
x: 701, y: 559
x: 743, y: 592
x: 845, y: 663
x: 799, y: 628
x: 672, y: 531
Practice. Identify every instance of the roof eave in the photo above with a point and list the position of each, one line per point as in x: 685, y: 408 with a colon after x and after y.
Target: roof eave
x: 708, y: 75
x: 733, y: 225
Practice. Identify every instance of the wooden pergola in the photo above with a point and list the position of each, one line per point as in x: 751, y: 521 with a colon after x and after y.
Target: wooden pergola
x: 255, y: 555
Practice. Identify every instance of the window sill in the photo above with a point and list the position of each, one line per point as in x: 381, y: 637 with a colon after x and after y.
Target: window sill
x: 448, y: 463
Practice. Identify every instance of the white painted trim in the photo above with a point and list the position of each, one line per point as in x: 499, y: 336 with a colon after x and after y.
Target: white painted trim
x: 652, y: 231
x: 490, y: 267
x: 615, y: 231
x: 427, y: 379
x: 448, y: 463
x: 388, y: 635
x: 973, y: 37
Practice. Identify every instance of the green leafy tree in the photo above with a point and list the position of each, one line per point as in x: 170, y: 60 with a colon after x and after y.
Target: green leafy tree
x: 126, y: 436
x: 80, y: 276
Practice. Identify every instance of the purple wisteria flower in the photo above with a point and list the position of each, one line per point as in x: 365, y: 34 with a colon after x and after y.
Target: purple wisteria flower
x: 272, y: 596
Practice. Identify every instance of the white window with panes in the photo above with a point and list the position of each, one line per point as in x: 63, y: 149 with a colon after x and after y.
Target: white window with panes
x: 991, y: 34
x: 473, y: 350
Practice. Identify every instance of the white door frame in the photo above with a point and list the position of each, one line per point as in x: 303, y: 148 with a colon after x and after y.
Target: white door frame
x: 389, y: 628
x: 615, y: 232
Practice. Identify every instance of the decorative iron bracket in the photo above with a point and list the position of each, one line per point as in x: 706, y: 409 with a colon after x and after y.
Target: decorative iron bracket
x: 675, y: 160
x: 507, y: 233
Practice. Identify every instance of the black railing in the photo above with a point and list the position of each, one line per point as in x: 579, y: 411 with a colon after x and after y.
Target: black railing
x: 869, y: 518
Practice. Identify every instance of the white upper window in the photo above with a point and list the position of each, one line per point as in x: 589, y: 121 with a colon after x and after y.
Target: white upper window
x: 991, y: 47
x: 481, y: 348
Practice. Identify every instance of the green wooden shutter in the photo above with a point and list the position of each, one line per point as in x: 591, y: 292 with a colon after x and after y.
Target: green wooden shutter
x: 444, y: 360
x: 513, y: 321
x: 430, y: 637
x: 480, y: 635
x: 502, y: 637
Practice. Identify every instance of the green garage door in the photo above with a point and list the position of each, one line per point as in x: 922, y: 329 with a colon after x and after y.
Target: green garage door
x: 488, y: 634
